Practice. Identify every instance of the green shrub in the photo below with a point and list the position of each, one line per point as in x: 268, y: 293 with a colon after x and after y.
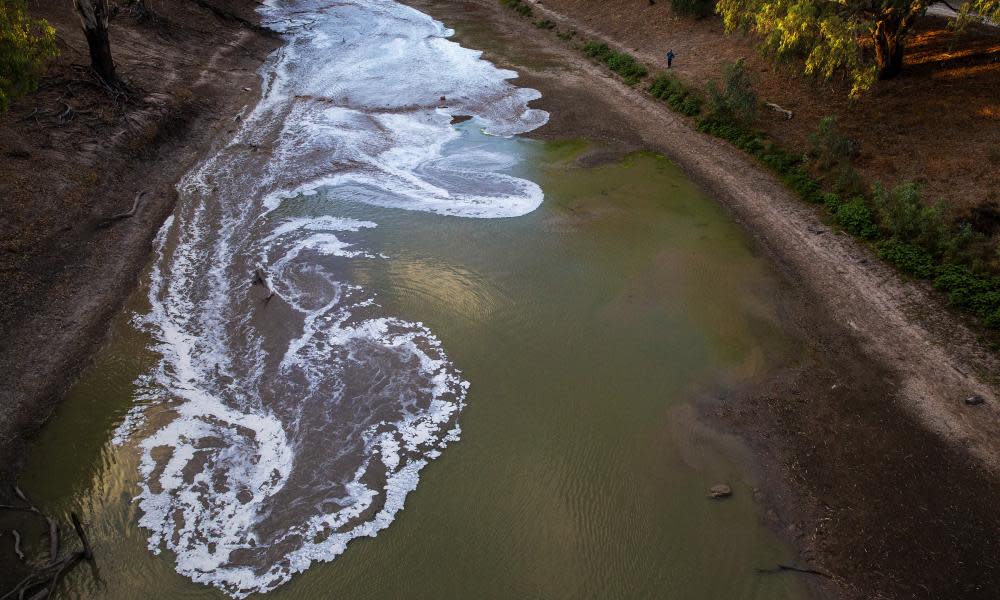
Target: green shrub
x: 907, y: 257
x: 832, y: 202
x: 545, y: 24
x: 622, y: 63
x: 781, y: 161
x: 829, y: 148
x: 566, y: 35
x: 736, y: 102
x: 992, y: 320
x: 904, y: 214
x: 694, y: 8
x: 740, y: 137
x: 675, y: 94
x: 977, y: 293
x: 597, y: 50
x: 856, y: 218
x: 25, y: 45
x: 520, y: 7
x: 804, y: 185
x: 965, y: 288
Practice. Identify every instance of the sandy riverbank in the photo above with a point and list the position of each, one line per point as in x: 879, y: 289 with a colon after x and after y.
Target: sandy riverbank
x: 874, y: 467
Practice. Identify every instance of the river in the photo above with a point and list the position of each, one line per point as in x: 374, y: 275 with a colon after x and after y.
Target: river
x: 368, y: 301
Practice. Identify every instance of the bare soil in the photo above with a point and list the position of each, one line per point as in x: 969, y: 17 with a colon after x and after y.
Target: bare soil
x: 872, y: 466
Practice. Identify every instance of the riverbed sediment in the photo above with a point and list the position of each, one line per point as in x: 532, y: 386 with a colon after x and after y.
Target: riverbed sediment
x: 874, y: 467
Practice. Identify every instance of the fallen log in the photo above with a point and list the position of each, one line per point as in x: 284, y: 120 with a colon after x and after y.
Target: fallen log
x: 783, y: 568
x: 788, y: 114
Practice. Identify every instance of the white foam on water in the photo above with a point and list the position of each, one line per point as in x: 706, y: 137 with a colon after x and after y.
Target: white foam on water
x: 286, y: 419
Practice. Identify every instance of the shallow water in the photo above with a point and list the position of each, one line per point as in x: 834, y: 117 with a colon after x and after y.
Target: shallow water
x: 234, y: 440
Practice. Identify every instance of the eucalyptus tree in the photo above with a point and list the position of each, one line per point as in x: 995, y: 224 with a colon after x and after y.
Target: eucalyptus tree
x: 94, y: 16
x: 865, y: 38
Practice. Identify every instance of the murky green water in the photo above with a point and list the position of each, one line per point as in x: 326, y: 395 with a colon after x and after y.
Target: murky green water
x: 587, y: 329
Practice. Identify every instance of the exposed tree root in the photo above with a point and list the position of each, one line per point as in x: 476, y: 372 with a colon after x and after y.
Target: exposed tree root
x: 44, y: 579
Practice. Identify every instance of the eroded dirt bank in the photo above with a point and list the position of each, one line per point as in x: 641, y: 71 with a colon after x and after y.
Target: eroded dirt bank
x: 873, y: 466
x: 75, y: 153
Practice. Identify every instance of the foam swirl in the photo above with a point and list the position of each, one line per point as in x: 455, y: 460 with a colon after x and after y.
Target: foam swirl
x: 288, y: 415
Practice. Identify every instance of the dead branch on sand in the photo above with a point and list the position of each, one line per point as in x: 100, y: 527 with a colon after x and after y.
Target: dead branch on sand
x: 125, y: 215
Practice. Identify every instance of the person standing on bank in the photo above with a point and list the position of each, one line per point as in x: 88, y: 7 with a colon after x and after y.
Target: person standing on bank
x: 670, y: 57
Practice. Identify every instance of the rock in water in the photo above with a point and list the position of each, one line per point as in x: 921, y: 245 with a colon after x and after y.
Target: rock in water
x: 720, y: 490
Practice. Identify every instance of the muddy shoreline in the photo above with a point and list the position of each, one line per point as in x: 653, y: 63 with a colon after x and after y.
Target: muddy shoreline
x: 69, y: 270
x: 872, y: 467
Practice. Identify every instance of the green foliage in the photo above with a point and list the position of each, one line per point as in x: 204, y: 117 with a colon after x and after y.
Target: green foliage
x: 907, y: 217
x: 804, y: 185
x: 978, y: 11
x: 825, y: 34
x: 856, y: 218
x: 694, y: 8
x: 829, y: 147
x: 976, y: 293
x: 780, y: 160
x: 25, y: 45
x: 518, y: 6
x: 620, y: 62
x: 545, y: 24
x: 736, y: 102
x: 680, y: 98
x: 832, y: 152
x: 910, y: 259
x: 566, y: 35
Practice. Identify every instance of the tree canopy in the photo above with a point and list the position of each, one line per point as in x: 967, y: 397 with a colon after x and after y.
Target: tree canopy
x: 25, y: 45
x: 864, y: 38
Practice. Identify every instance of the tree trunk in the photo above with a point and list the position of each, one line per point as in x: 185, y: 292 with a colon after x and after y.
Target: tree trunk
x: 94, y: 19
x: 889, y: 48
